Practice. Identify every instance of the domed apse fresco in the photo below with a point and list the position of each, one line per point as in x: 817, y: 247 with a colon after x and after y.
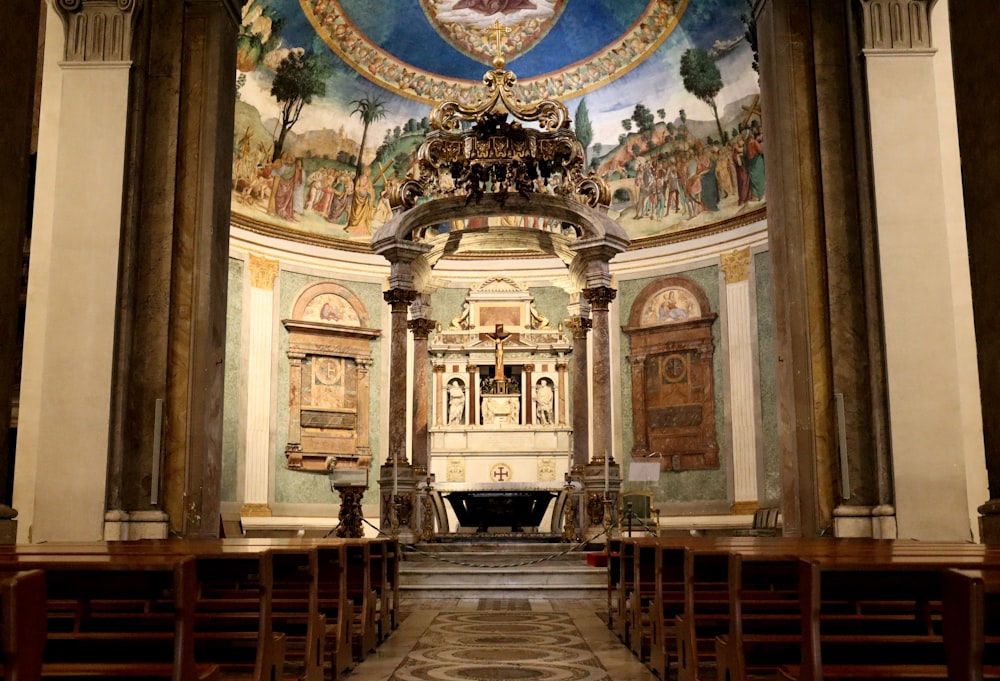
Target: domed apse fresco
x: 333, y: 100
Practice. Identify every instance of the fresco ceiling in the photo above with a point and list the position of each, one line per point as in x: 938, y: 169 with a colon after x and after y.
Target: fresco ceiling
x: 333, y: 99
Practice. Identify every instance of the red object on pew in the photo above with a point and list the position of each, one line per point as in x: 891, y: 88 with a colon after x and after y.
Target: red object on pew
x: 597, y: 559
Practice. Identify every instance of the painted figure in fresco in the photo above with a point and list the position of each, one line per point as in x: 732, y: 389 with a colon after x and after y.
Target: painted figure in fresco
x: 456, y: 402
x: 544, y: 398
x: 669, y: 310
x: 359, y: 217
x: 755, y: 161
x: 341, y: 196
x: 742, y: 176
x: 285, y: 174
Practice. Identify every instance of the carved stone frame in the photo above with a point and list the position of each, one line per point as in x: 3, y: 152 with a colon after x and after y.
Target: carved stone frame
x: 344, y: 444
x: 686, y: 443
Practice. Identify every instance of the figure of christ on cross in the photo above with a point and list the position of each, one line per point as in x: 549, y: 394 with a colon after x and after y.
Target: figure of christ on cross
x: 499, y: 338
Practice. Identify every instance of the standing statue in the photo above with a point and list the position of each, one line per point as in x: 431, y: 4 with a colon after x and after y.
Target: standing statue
x: 543, y: 402
x: 456, y: 402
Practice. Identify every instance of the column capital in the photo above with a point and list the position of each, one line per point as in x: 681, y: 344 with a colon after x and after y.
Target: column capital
x: 599, y: 297
x: 528, y: 367
x: 439, y: 368
x: 562, y: 366
x: 399, y: 298
x: 896, y: 25
x: 263, y: 272
x: 579, y: 326
x: 736, y: 265
x: 421, y: 327
x: 97, y: 30
x: 472, y: 368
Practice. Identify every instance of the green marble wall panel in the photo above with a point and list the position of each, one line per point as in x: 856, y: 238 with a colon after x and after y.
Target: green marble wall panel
x: 679, y: 486
x: 232, y: 392
x: 768, y: 377
x: 551, y: 302
x: 297, y: 487
x: 446, y: 304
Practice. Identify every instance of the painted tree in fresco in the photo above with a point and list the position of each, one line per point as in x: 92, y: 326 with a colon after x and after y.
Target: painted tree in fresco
x: 299, y: 78
x: 584, y: 130
x: 702, y: 79
x: 370, y: 109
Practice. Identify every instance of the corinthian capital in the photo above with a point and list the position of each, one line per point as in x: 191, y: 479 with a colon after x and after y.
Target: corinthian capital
x: 97, y: 30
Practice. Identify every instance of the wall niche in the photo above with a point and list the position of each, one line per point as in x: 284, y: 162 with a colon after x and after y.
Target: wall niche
x: 329, y: 356
x: 671, y: 355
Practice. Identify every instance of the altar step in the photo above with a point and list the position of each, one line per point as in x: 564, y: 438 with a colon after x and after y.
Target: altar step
x: 500, y: 570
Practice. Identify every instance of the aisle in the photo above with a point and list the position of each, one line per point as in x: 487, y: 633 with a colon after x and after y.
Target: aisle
x: 501, y: 640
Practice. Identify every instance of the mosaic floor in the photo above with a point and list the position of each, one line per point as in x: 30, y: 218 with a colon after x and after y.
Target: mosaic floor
x: 501, y: 640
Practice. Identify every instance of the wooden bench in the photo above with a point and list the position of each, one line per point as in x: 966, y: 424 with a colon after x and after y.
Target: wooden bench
x: 908, y: 584
x: 77, y: 581
x: 233, y: 617
x: 22, y: 625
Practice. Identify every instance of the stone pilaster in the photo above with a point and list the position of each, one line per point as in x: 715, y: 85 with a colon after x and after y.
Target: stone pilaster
x: 742, y: 393
x: 579, y: 327
x: 72, y: 302
x: 258, y: 459
x: 933, y: 455
x: 364, y: 450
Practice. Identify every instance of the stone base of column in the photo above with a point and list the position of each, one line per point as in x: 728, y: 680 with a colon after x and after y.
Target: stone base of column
x: 876, y: 522
x: 401, y: 521
x: 8, y: 525
x: 601, y: 489
x: 989, y: 522
x: 131, y: 525
x: 255, y: 511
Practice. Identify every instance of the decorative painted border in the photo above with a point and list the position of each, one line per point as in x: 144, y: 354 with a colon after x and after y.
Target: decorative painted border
x: 381, y: 68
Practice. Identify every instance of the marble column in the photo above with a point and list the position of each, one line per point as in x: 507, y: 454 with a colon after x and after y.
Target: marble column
x: 258, y: 458
x: 561, y: 368
x: 69, y: 335
x: 528, y: 391
x: 439, y: 402
x: 473, y: 393
x: 421, y: 328
x: 396, y: 479
x: 742, y: 394
x: 934, y: 416
x: 579, y: 327
x: 600, y: 298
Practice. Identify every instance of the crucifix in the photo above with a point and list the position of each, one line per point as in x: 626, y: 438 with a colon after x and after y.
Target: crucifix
x: 499, y: 338
x: 382, y: 170
x: 500, y: 30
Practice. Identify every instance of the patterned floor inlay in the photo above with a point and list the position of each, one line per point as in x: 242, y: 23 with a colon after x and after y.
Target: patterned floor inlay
x: 504, y: 604
x: 501, y: 646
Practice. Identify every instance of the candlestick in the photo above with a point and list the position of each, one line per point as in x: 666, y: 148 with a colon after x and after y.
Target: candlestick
x: 607, y: 472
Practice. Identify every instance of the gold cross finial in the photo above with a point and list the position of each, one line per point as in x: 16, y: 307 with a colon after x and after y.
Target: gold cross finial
x: 500, y: 30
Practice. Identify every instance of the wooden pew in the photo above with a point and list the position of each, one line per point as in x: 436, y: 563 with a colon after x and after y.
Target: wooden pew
x: 908, y: 584
x: 971, y: 626
x: 22, y: 625
x: 639, y: 611
x: 233, y: 617
x: 333, y: 604
x: 80, y: 580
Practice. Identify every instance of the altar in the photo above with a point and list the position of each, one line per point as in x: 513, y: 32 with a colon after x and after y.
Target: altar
x: 500, y: 445
x: 500, y: 509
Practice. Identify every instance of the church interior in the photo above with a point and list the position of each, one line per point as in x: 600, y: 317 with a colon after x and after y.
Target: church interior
x: 454, y: 287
